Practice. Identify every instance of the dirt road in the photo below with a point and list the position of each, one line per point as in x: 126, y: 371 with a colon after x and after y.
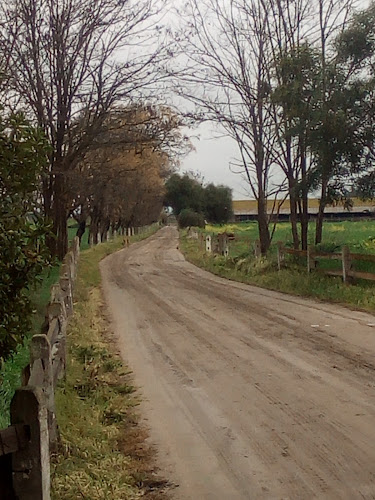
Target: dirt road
x: 250, y: 394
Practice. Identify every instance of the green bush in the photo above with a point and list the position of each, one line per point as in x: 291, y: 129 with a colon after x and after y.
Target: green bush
x: 23, y: 250
x: 189, y: 217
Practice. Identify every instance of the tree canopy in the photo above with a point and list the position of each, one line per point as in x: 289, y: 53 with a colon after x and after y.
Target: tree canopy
x: 186, y: 192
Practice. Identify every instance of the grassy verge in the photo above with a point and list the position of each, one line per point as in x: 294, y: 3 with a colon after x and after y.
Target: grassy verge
x: 10, y: 373
x: 241, y: 266
x: 102, y: 452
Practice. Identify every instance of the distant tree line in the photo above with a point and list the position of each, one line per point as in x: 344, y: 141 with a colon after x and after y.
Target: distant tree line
x: 193, y: 202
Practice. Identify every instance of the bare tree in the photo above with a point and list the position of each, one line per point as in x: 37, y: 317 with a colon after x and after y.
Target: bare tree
x: 236, y: 51
x: 228, y: 78
x: 69, y: 61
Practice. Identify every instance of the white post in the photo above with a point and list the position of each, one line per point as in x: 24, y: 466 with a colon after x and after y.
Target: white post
x: 208, y: 244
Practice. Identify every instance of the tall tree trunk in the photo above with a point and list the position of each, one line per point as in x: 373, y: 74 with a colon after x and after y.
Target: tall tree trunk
x: 293, y: 212
x: 322, y: 206
x: 305, y: 203
x: 81, y: 229
x: 59, y: 215
x: 61, y: 229
x: 264, y: 233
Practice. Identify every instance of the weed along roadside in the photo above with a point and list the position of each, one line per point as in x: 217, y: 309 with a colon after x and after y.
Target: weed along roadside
x: 296, y: 274
x: 78, y: 437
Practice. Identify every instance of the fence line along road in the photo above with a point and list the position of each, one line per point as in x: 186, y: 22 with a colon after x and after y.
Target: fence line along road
x: 26, y: 445
x: 346, y: 257
x: 220, y: 244
x: 32, y: 434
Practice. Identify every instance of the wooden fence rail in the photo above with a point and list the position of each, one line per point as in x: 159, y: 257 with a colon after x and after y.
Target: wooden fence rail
x: 219, y: 244
x: 345, y: 257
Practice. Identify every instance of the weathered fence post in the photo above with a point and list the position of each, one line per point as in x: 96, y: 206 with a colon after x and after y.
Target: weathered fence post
x: 215, y: 244
x: 66, y: 288
x: 223, y: 247
x: 41, y: 375
x: 257, y: 249
x: 56, y: 311
x: 280, y: 255
x: 31, y: 465
x: 201, y: 239
x: 346, y: 264
x: 208, y: 244
x: 311, y: 262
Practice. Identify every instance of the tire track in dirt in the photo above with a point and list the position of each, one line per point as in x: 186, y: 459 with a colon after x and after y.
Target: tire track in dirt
x: 243, y: 397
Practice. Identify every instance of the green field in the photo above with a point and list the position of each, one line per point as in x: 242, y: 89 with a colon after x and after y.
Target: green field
x: 359, y: 235
x: 294, y: 279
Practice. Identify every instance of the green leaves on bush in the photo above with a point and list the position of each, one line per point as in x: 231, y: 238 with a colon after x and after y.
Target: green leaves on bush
x: 189, y: 218
x: 23, y: 252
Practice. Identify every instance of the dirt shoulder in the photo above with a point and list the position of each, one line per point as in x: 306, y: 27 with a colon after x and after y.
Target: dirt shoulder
x: 248, y: 393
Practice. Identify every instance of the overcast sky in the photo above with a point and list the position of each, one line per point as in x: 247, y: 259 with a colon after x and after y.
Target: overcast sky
x: 212, y: 159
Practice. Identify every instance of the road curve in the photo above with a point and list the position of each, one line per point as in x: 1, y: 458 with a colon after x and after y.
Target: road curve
x: 249, y: 394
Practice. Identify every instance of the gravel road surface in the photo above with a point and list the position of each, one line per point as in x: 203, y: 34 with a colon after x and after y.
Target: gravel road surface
x: 249, y: 394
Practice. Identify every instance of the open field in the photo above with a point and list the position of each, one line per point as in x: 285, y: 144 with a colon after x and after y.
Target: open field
x: 359, y: 235
x: 247, y: 205
x: 242, y: 266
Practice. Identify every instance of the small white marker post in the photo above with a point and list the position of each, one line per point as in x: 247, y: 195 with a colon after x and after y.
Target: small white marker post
x: 208, y: 244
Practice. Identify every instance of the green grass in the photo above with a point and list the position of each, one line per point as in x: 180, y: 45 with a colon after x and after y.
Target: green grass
x: 102, y: 454
x: 294, y: 279
x: 359, y: 236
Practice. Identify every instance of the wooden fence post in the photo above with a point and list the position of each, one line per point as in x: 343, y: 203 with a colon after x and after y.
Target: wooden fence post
x: 31, y: 465
x: 311, y: 262
x: 280, y: 255
x: 41, y: 376
x: 201, y: 240
x: 346, y: 264
x: 76, y: 248
x: 257, y: 249
x: 65, y: 285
